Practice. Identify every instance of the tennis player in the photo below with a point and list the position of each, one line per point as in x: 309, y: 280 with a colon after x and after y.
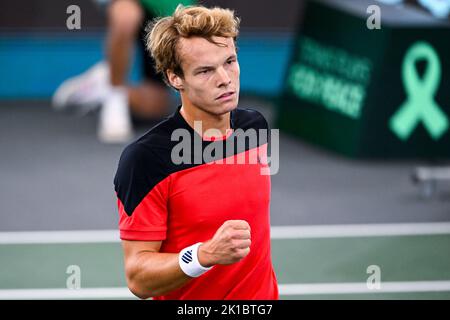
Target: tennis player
x: 197, y: 229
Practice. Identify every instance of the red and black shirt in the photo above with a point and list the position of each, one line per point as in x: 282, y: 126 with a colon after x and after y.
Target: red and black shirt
x: 184, y: 203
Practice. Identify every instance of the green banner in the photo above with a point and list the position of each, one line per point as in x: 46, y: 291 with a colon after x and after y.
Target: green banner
x: 368, y: 93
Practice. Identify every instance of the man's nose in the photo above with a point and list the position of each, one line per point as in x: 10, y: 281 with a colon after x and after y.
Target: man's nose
x: 223, y: 79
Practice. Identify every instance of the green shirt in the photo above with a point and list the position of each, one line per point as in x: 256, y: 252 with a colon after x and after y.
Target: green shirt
x: 164, y: 8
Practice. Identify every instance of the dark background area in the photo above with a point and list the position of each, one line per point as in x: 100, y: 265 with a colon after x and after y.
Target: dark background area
x: 45, y: 15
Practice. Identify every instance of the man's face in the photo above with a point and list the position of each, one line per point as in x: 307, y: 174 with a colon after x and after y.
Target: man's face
x: 211, y: 74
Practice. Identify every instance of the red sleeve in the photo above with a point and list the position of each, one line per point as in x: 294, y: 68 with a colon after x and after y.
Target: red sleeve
x: 149, y: 219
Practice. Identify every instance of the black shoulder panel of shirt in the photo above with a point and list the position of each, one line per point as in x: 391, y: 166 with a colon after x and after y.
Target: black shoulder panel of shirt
x: 148, y: 160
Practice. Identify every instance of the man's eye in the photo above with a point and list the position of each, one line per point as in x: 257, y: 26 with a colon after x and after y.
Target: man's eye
x: 231, y: 61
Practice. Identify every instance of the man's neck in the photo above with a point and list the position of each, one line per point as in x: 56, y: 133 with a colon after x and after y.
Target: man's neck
x: 208, y: 121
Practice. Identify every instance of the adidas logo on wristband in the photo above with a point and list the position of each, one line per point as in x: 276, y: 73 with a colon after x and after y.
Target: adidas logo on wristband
x: 188, y: 261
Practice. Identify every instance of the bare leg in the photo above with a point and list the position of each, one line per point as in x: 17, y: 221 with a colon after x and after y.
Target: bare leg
x: 124, y: 20
x: 149, y: 99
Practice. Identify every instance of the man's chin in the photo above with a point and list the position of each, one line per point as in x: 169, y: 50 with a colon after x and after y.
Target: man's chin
x: 222, y: 108
x: 232, y: 107
x: 228, y: 107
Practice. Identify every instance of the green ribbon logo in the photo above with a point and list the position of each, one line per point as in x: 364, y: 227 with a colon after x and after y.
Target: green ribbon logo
x: 420, y: 104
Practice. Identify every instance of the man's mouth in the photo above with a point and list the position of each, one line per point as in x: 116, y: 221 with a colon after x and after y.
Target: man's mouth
x: 225, y: 95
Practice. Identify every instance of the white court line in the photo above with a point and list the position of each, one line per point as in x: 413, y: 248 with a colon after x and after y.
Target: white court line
x: 285, y: 290
x: 277, y: 232
x: 359, y: 230
x: 77, y: 236
x: 355, y: 287
x: 51, y: 294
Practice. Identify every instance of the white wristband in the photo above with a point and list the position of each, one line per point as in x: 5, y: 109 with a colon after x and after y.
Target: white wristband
x: 188, y: 260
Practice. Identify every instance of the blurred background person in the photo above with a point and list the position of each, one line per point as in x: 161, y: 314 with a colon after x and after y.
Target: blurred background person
x: 105, y: 84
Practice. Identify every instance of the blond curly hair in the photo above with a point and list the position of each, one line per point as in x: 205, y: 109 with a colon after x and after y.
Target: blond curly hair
x: 163, y: 34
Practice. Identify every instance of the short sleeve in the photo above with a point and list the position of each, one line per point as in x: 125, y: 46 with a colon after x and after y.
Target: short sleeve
x: 142, y: 190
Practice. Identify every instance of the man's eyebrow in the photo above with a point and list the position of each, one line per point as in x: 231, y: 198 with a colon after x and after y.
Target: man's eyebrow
x: 206, y: 67
x: 210, y: 67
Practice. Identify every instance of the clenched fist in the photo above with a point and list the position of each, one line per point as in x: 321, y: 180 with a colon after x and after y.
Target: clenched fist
x: 230, y: 244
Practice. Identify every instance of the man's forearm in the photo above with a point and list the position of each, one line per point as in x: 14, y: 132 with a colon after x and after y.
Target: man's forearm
x: 154, y: 274
x: 151, y: 273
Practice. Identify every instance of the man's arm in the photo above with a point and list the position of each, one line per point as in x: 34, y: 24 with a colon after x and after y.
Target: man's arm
x: 152, y: 273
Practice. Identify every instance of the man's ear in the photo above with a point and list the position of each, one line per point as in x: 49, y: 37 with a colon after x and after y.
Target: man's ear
x: 175, y: 80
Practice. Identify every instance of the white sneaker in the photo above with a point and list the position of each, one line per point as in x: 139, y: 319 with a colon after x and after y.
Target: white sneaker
x: 438, y: 8
x: 114, y: 124
x: 390, y: 2
x: 85, y: 92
